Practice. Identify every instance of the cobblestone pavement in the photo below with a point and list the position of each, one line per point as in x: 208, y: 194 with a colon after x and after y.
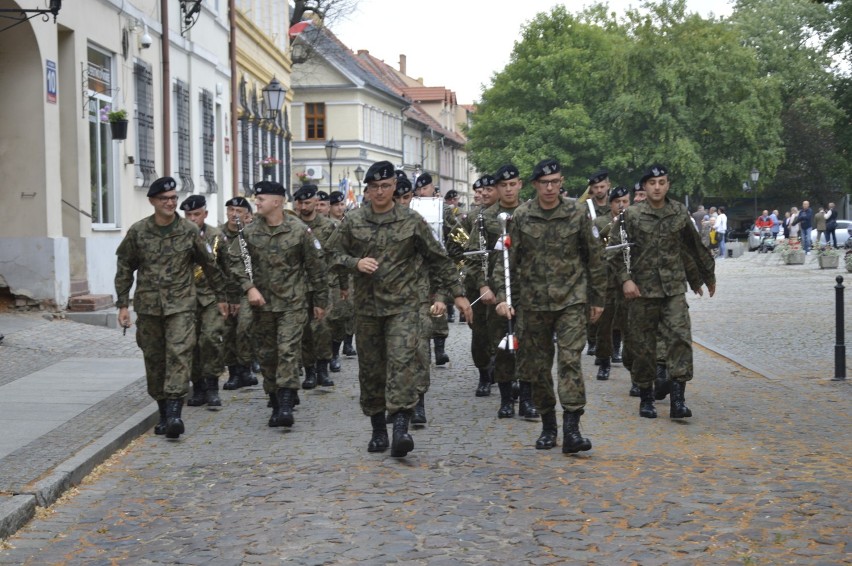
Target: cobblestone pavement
x: 760, y: 474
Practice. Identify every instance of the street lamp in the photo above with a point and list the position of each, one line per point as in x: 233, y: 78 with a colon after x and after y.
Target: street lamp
x: 359, y: 174
x: 273, y: 97
x: 755, y: 175
x: 331, y: 152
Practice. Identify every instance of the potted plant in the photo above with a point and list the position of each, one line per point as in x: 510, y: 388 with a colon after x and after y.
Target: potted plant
x: 848, y: 260
x: 793, y: 255
x: 828, y: 257
x: 268, y: 162
x: 117, y: 121
x: 303, y: 178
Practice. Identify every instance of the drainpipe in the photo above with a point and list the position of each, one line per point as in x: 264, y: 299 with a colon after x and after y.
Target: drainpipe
x: 167, y: 82
x: 232, y: 55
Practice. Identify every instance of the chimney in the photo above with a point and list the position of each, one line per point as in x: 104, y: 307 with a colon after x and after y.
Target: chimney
x: 402, y: 63
x: 363, y: 52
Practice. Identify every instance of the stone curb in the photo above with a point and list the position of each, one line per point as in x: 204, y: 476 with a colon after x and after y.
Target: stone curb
x: 763, y: 372
x: 15, y: 513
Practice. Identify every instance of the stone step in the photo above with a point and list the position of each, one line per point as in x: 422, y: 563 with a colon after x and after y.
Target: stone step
x: 89, y: 303
x: 79, y: 287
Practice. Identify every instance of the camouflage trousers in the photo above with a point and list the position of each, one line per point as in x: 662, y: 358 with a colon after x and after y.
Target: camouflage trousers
x: 209, y: 328
x: 316, y: 342
x: 535, y: 355
x: 341, y: 327
x: 167, y: 343
x: 279, y: 339
x: 651, y: 318
x: 388, y: 362
x: 239, y: 348
x: 481, y: 349
x: 504, y: 360
x: 614, y: 317
x: 340, y: 317
x: 424, y: 348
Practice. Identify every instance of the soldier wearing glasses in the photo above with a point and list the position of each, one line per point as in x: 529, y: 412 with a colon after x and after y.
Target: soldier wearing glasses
x: 163, y: 251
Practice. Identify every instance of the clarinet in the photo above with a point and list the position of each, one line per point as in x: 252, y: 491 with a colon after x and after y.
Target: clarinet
x: 509, y: 342
x: 625, y: 251
x: 480, y: 220
x: 244, y: 249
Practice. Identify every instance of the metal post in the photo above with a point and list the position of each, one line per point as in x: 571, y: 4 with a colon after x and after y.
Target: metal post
x: 840, y: 346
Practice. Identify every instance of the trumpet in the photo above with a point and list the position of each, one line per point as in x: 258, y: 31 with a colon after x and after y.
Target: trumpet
x: 198, y: 273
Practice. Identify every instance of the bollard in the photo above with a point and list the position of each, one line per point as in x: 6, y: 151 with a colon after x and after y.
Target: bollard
x: 840, y: 346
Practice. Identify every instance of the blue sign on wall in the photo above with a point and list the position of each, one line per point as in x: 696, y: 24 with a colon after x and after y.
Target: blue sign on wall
x: 51, y: 80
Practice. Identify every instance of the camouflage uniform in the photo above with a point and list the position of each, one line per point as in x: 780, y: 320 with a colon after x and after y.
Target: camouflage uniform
x: 389, y: 316
x: 164, y: 258
x: 290, y: 273
x: 601, y: 210
x: 239, y: 346
x: 614, y: 316
x: 316, y: 341
x: 558, y: 271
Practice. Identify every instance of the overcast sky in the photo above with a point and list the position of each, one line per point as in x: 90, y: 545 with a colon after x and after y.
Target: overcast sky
x: 458, y: 44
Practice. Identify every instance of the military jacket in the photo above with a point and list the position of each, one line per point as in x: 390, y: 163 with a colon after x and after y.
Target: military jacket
x: 493, y: 231
x: 661, y: 239
x: 403, y: 244
x: 323, y: 228
x: 606, y: 225
x: 287, y: 264
x: 165, y: 268
x: 555, y: 258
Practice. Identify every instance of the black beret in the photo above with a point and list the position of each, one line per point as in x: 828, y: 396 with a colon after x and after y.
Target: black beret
x: 379, y: 171
x: 403, y: 186
x: 322, y: 195
x: 423, y: 180
x: 507, y: 172
x: 162, y: 185
x: 546, y: 167
x: 305, y: 192
x: 451, y: 194
x: 336, y: 197
x: 618, y: 192
x: 598, y: 176
x: 484, y: 181
x: 638, y: 187
x: 193, y: 202
x: 655, y: 170
x: 270, y: 188
x: 239, y: 201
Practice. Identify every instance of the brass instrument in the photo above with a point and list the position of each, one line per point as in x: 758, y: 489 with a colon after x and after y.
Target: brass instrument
x: 198, y: 273
x: 244, y: 249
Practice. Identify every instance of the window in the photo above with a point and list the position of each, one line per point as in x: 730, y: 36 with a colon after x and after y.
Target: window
x: 315, y: 121
x: 208, y: 138
x: 184, y: 151
x: 144, y: 123
x: 101, y: 159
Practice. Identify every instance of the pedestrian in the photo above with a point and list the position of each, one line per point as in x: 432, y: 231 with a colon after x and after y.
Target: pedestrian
x: 163, y: 251
x: 382, y: 244
x: 795, y: 229
x: 804, y: 219
x: 831, y: 224
x: 209, y: 324
x: 819, y: 225
x: 287, y: 275
x: 786, y: 225
x: 721, y: 227
x: 654, y: 284
x: 559, y: 279
x: 776, y: 223
x: 698, y: 216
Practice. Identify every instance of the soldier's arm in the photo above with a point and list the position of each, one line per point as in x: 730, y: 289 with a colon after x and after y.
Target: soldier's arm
x: 127, y: 263
x: 702, y: 258
x: 315, y: 269
x: 340, y: 258
x: 442, y: 272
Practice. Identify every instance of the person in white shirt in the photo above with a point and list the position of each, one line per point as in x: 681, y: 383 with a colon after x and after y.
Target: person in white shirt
x: 721, y: 227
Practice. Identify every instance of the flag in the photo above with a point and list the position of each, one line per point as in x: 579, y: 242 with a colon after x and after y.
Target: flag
x: 349, y: 192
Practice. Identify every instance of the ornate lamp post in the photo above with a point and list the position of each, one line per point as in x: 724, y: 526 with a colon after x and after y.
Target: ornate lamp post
x: 359, y: 174
x: 331, y: 152
x: 273, y: 97
x: 755, y: 175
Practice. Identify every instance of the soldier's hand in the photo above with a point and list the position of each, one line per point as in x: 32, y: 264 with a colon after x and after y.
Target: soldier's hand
x: 234, y: 309
x: 631, y: 291
x: 367, y: 265
x: 255, y: 299
x: 595, y: 313
x: 699, y: 292
x: 124, y: 317
x: 503, y: 309
x: 224, y: 309
x: 344, y: 294
x: 487, y: 295
x: 437, y: 309
x: 711, y: 289
x: 464, y: 306
x: 319, y: 313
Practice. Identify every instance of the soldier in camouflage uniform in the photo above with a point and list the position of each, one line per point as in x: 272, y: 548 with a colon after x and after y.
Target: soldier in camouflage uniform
x: 288, y: 273
x: 239, y: 346
x: 163, y: 250
x: 381, y: 244
x: 452, y: 220
x: 508, y: 186
x: 341, y: 312
x: 316, y: 340
x: 209, y: 324
x: 559, y: 278
x: 595, y: 198
x: 323, y: 204
x: 654, y: 285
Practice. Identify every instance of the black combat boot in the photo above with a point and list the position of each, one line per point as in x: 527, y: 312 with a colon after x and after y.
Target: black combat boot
x: 662, y: 384
x: 402, y: 441
x: 379, y: 441
x: 322, y: 374
x: 484, y: 387
x: 255, y: 367
x: 592, y: 347
x: 678, y: 408
x: 507, y: 404
x: 441, y: 356
x: 199, y: 394
x: 451, y: 312
x: 419, y: 416
x: 616, y: 347
x: 233, y: 378
x: 310, y: 380
x: 160, y: 427
x: 572, y: 441
x: 174, y: 426
x: 273, y: 402
x: 603, y: 370
x: 634, y: 390
x: 348, y: 350
x: 247, y: 376
x: 526, y: 408
x: 334, y: 364
x: 547, y: 439
x: 516, y: 390
x: 646, y: 403
x: 283, y: 415
x: 212, y: 392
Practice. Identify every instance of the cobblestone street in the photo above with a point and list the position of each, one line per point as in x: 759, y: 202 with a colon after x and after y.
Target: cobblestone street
x: 760, y: 474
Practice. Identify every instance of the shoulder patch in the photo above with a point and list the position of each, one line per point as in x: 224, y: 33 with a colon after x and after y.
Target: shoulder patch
x: 595, y: 232
x: 317, y: 244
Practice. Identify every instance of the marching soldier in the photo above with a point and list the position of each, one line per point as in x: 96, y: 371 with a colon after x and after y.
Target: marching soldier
x: 508, y: 184
x: 559, y: 278
x: 316, y: 340
x: 209, y: 324
x: 282, y: 272
x: 596, y: 199
x: 341, y: 313
x: 453, y: 219
x: 654, y: 284
x: 336, y: 206
x: 323, y: 204
x: 381, y: 245
x: 163, y: 251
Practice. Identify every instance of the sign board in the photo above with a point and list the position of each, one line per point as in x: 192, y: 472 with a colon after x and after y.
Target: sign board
x: 51, y: 80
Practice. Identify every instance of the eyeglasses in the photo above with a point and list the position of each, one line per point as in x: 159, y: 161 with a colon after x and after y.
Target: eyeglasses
x: 167, y: 199
x: 549, y: 182
x: 381, y: 186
